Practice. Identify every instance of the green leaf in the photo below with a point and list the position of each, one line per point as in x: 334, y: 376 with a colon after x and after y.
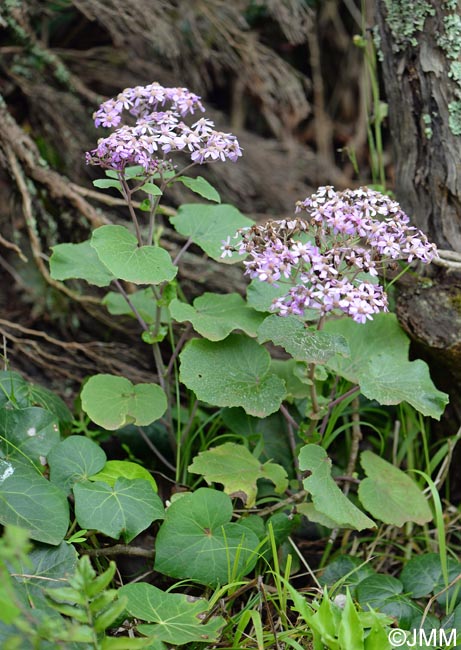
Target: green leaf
x: 379, y: 363
x: 346, y: 565
x: 118, y: 250
x: 126, y: 509
x: 143, y: 300
x: 28, y: 433
x: 238, y: 470
x: 376, y: 589
x: 45, y: 568
x: 112, y: 402
x: 304, y: 344
x: 422, y: 574
x: 114, y: 469
x: 326, y: 495
x: 350, y: 633
x: 260, y: 295
x: 383, y: 593
x: 152, y: 189
x: 390, y: 495
x: 197, y: 541
x: 15, y: 390
x: 74, y: 459
x: 105, y: 183
x: 209, y: 225
x: 291, y: 371
x: 200, y: 186
x: 233, y: 372
x: 31, y: 502
x: 177, y: 617
x: 215, y: 316
x: 79, y: 261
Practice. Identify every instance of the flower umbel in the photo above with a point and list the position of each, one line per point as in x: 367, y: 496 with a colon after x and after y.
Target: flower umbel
x: 158, y: 131
x: 332, y: 254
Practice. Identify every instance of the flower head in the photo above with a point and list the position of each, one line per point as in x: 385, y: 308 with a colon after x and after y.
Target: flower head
x: 332, y: 254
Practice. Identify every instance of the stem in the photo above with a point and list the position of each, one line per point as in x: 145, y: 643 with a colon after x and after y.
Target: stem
x: 127, y: 299
x: 177, y: 349
x: 355, y: 443
x: 154, y: 449
x: 127, y: 196
x: 332, y: 404
x: 182, y: 251
x: 292, y: 439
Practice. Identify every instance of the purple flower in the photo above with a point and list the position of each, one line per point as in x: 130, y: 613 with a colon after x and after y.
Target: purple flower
x: 326, y: 254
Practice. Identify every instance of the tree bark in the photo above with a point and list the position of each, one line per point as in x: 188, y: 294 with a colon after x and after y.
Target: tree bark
x: 420, y: 46
x: 423, y: 100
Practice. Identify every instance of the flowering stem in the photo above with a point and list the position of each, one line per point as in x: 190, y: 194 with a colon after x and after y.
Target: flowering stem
x: 127, y: 197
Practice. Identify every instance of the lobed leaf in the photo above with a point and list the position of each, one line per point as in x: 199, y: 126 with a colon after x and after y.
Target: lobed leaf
x: 238, y: 470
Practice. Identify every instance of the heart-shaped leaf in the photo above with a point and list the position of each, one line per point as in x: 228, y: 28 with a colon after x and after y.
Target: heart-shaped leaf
x: 238, y: 470
x: 326, y: 495
x: 197, y: 540
x: 209, y: 225
x: 16, y: 391
x: 389, y: 494
x: 80, y: 261
x: 117, y: 248
x: 233, y: 372
x: 177, y: 617
x: 215, y: 316
x: 126, y: 509
x: 75, y: 459
x: 29, y: 501
x: 112, y: 402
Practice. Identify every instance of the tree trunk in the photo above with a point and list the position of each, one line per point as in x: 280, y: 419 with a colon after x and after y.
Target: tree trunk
x: 423, y: 88
x: 420, y: 44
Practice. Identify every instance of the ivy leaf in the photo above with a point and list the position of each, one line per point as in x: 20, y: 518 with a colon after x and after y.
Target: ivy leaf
x: 379, y: 364
x: 177, y: 617
x: 238, y: 470
x: 197, y: 540
x: 126, y: 509
x: 112, y: 402
x: 215, y: 316
x: 209, y: 225
x: 117, y: 248
x: 114, y: 469
x: 326, y: 495
x: 233, y: 372
x: 79, y: 261
x: 389, y: 494
x: 31, y: 502
x: 304, y: 344
x: 422, y: 574
x: 74, y: 459
x: 200, y: 186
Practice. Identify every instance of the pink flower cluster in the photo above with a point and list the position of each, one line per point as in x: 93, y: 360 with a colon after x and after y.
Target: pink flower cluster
x: 158, y: 132
x: 327, y: 255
